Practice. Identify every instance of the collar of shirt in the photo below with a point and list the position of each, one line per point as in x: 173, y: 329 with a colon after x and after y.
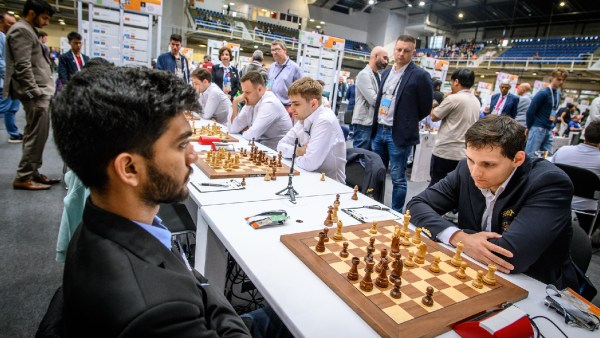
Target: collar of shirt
x: 490, y: 203
x: 225, y: 67
x: 488, y: 192
x: 283, y: 64
x: 390, y: 86
x: 308, y: 122
x: 158, y: 230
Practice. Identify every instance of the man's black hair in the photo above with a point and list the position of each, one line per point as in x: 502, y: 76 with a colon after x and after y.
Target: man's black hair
x: 42, y: 34
x: 592, y: 132
x: 465, y: 77
x: 97, y: 62
x: 497, y: 132
x: 38, y: 7
x: 105, y: 111
x: 175, y: 37
x: 73, y: 35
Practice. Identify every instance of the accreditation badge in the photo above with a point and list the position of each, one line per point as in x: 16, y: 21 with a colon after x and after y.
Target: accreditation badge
x: 269, y: 85
x: 553, y: 115
x: 384, y: 107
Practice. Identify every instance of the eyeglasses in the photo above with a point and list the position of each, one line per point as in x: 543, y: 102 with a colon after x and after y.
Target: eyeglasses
x: 276, y: 50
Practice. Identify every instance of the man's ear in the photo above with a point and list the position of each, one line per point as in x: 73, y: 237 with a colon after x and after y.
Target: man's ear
x: 127, y: 167
x: 519, y: 158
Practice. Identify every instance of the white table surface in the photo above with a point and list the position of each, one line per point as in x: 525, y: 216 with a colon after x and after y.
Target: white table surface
x: 305, y: 303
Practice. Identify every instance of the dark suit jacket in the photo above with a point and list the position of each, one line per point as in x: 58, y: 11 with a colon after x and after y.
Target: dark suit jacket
x: 67, y: 66
x: 533, y: 215
x: 217, y: 78
x: 510, y: 107
x: 119, y: 280
x: 414, y: 99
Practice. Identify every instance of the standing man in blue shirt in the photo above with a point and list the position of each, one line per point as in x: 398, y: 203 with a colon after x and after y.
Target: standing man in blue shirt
x: 405, y: 98
x: 173, y: 61
x: 8, y: 106
x: 542, y: 113
x: 282, y: 73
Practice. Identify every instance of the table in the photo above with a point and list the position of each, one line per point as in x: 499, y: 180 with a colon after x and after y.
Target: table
x: 422, y: 156
x: 306, y: 305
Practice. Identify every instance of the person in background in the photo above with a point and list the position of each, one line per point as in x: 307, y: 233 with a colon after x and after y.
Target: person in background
x: 207, y: 64
x: 594, y: 114
x: 341, y: 87
x: 524, y: 92
x: 72, y: 61
x: 282, y: 73
x: 225, y: 75
x: 437, y: 91
x: 573, y: 126
x: 43, y: 38
x: 174, y: 62
x: 256, y: 65
x: 564, y: 118
x: 504, y: 103
x: 351, y: 97
x: 8, y: 106
x: 214, y: 102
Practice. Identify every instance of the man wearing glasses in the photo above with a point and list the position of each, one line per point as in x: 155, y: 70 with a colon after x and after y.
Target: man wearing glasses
x: 282, y: 73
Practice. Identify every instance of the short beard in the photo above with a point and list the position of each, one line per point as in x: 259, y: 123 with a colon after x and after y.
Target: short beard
x: 162, y: 188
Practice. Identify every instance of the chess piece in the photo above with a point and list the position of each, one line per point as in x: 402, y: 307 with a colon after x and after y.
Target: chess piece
x: 435, y: 267
x: 322, y: 177
x: 490, y: 278
x: 382, y: 279
x: 274, y: 176
x: 267, y: 176
x: 404, y: 238
x: 326, y: 231
x: 366, y: 284
x: 373, y: 228
x: 417, y: 238
x: 353, y: 273
x: 355, y: 195
x: 428, y: 299
x: 244, y: 181
x: 461, y: 273
x: 279, y: 156
x: 409, y: 261
x: 328, y: 220
x: 457, y: 259
x: 369, y: 256
x: 334, y: 216
x: 395, y: 293
x: 382, y: 259
x: 420, y: 257
x: 396, y: 268
x: 395, y: 246
x: 337, y: 200
x: 344, y: 252
x: 236, y: 162
x: 478, y: 283
x: 338, y: 234
x: 406, y: 220
x: 321, y: 243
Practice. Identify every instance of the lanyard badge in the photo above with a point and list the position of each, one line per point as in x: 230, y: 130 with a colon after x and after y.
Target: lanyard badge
x: 386, y: 102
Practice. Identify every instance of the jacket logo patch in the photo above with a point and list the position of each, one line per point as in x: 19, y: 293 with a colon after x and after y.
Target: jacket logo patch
x: 507, y: 217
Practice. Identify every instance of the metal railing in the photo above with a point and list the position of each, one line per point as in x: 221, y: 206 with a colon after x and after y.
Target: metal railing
x: 589, y: 62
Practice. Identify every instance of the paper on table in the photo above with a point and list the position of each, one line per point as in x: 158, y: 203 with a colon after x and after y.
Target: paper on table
x: 231, y: 185
x: 367, y: 215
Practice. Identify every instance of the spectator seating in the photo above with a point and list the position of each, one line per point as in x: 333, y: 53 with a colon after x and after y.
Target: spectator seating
x: 578, y: 48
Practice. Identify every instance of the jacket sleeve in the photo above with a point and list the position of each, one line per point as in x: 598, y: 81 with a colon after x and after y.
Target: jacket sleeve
x: 63, y: 74
x: 19, y: 44
x: 536, y: 102
x: 513, y: 109
x: 544, y: 216
x: 160, y: 63
x: 425, y: 90
x: 436, y: 200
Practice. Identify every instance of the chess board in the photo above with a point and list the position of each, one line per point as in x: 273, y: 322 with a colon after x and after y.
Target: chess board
x: 246, y: 168
x: 454, y: 299
x: 211, y: 131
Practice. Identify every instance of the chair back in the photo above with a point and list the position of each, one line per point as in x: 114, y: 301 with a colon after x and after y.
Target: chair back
x: 585, y: 182
x: 365, y: 169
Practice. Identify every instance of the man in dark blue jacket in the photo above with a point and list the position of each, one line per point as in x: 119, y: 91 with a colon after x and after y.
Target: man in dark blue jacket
x: 405, y: 97
x: 173, y: 61
x: 504, y: 103
x: 513, y: 211
x: 72, y: 61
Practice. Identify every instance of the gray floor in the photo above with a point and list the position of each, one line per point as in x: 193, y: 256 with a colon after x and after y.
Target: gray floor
x: 28, y: 230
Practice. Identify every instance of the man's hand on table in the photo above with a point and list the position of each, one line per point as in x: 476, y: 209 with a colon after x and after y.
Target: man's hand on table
x: 479, y: 248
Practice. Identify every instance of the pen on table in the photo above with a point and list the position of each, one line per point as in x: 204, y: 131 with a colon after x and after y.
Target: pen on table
x: 375, y: 207
x: 214, y: 185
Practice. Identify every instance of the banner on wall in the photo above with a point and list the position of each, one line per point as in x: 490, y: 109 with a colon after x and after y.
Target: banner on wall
x: 513, y: 79
x: 485, y: 93
x: 153, y: 7
x: 435, y: 67
x: 539, y: 85
x: 188, y: 53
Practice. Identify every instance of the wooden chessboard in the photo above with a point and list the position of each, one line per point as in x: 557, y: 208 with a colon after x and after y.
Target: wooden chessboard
x: 246, y: 168
x: 454, y: 299
x: 214, y: 131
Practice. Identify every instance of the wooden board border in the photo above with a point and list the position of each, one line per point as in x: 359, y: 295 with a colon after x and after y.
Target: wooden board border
x: 211, y: 173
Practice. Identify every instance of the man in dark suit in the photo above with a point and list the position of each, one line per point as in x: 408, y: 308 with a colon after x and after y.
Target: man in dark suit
x: 72, y: 61
x: 405, y: 97
x: 123, y: 276
x: 504, y: 103
x: 513, y: 211
x: 28, y: 78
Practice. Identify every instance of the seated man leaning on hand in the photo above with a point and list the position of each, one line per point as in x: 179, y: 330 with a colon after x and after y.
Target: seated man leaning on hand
x: 214, y: 102
x: 263, y: 118
x: 513, y: 211
x: 321, y: 144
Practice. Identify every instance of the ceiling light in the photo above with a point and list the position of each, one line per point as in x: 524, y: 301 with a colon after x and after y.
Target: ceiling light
x: 312, y: 20
x: 409, y: 5
x: 224, y: 6
x: 11, y: 12
x: 264, y: 10
x: 322, y: 22
x: 482, y: 76
x: 421, y: 3
x: 62, y: 23
x: 241, y: 48
x: 534, y: 74
x: 460, y: 15
x: 371, y: 2
x: 256, y: 47
x: 562, y: 4
x: 231, y: 3
x: 318, y: 26
x: 203, y: 45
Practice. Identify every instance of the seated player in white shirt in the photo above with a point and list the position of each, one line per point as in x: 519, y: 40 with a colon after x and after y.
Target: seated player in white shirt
x: 263, y: 118
x: 214, y: 102
x: 321, y: 144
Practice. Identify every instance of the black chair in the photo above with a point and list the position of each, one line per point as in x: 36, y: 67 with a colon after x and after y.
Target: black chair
x: 177, y: 219
x: 365, y: 169
x: 581, y: 248
x: 52, y: 325
x: 587, y: 185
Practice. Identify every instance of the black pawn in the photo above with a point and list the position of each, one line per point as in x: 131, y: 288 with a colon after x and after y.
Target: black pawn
x: 395, y: 293
x: 353, y: 273
x: 428, y: 299
x: 344, y: 252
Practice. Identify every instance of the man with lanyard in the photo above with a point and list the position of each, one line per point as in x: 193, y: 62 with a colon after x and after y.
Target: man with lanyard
x: 282, y: 73
x: 367, y: 88
x: 405, y: 98
x: 73, y: 61
x: 174, y: 62
x: 542, y: 113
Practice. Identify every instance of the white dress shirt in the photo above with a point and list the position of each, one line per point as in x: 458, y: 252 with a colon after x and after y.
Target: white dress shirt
x: 486, y: 220
x: 215, y: 104
x: 326, y: 147
x: 267, y: 121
